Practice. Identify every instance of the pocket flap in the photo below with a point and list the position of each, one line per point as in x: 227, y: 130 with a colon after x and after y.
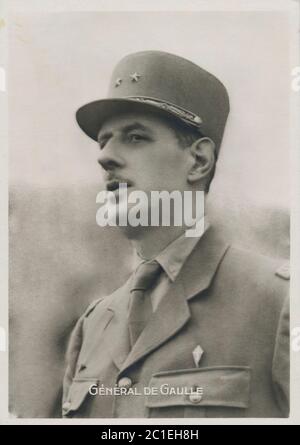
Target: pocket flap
x: 215, y: 386
x: 77, y: 394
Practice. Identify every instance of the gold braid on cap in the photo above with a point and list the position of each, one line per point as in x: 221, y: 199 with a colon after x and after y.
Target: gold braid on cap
x: 187, y: 116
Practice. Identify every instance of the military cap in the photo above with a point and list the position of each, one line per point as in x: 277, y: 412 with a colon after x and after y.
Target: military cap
x: 167, y: 83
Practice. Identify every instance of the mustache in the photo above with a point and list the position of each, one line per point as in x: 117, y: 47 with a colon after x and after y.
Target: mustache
x: 112, y: 182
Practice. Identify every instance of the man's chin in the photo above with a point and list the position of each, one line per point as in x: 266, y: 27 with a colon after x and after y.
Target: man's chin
x: 131, y: 227
x: 132, y: 233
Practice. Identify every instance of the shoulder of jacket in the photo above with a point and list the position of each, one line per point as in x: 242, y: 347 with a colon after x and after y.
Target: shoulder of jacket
x: 243, y: 258
x: 283, y: 271
x: 262, y: 265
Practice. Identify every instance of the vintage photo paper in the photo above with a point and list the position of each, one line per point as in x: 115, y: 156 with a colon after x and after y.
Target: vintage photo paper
x: 153, y: 186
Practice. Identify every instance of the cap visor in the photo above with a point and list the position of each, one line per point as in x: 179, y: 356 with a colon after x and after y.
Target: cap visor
x: 90, y: 117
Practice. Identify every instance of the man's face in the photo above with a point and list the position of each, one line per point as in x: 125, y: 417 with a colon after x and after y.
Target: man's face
x: 143, y: 151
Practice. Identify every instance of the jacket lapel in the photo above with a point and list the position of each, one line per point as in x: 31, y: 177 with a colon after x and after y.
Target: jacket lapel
x: 170, y: 316
x: 173, y: 311
x: 116, y: 334
x: 200, y: 268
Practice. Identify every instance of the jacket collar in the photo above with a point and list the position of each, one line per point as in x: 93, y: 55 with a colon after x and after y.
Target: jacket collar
x: 173, y: 311
x: 175, y: 254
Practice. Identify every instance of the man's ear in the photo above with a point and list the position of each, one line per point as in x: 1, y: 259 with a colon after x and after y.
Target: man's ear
x: 203, y: 152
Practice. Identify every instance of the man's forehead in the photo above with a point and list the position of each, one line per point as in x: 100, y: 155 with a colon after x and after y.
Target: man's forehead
x: 143, y: 120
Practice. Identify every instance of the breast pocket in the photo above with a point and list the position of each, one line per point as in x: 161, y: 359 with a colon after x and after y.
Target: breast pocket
x: 222, y: 391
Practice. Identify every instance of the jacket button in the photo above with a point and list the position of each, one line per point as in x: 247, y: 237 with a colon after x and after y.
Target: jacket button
x: 125, y: 382
x: 66, y: 406
x: 195, y: 397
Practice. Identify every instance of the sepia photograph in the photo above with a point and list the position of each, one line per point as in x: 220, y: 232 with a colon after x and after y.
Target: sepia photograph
x: 149, y: 214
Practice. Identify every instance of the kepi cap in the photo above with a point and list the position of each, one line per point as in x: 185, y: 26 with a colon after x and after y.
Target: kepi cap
x: 171, y: 85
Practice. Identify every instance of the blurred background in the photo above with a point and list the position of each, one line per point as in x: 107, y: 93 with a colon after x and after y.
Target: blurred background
x: 60, y: 260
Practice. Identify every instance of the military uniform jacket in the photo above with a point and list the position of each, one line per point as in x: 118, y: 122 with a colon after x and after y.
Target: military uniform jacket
x: 217, y: 345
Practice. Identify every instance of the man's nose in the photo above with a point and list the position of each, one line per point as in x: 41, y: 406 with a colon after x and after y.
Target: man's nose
x: 110, y: 157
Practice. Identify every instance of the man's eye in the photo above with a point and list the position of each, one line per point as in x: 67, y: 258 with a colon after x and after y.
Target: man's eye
x: 136, y: 137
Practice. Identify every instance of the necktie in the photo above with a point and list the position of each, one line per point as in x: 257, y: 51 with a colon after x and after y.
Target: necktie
x: 140, y: 306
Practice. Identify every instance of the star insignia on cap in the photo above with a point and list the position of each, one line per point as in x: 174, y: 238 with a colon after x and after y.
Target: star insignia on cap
x: 118, y: 82
x: 135, y: 77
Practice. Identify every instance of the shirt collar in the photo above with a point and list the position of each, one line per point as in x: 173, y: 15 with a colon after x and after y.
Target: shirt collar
x: 174, y: 255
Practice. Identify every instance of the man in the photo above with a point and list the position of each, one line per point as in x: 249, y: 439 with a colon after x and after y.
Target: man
x: 201, y: 328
